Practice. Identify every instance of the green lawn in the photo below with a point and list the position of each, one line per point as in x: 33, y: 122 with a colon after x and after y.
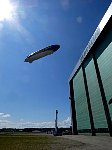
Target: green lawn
x: 35, y: 142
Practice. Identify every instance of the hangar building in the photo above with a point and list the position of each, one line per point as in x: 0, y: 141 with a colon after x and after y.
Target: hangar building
x: 90, y: 83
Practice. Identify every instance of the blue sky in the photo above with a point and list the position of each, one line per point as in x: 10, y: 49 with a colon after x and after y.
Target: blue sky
x: 30, y: 93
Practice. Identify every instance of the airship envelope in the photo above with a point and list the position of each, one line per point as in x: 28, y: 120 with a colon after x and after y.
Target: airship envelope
x: 42, y: 53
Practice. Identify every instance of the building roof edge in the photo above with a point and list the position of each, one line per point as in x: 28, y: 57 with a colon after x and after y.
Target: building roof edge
x: 93, y: 39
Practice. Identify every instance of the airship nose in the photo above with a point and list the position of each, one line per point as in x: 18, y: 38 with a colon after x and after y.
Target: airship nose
x: 56, y: 47
x: 26, y: 60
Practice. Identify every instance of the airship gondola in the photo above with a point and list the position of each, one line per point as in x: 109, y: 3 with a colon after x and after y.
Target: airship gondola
x: 42, y: 53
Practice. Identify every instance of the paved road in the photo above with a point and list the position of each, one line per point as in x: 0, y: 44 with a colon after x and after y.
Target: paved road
x: 92, y: 142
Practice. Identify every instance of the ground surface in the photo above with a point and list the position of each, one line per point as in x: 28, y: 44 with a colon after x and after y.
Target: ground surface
x: 36, y: 142
x: 92, y: 142
x: 17, y: 141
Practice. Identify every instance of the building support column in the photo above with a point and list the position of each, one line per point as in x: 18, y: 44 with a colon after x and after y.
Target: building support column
x: 73, y: 111
x: 88, y: 102
x: 106, y: 109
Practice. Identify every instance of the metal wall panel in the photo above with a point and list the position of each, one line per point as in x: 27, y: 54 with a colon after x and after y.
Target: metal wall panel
x: 95, y: 96
x: 82, y: 115
x: 104, y: 60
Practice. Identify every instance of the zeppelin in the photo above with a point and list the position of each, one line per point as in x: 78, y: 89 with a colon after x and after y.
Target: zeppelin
x: 42, y: 53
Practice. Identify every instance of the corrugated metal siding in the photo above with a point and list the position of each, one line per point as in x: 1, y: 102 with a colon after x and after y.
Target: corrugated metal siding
x: 95, y: 96
x: 82, y: 115
x: 104, y: 59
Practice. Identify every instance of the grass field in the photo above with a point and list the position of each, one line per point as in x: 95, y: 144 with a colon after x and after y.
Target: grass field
x: 35, y: 142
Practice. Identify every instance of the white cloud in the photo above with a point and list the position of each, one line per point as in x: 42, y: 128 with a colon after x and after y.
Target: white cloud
x: 6, y: 115
x: 5, y: 122
x: 1, y: 26
x: 79, y: 19
x: 65, y: 123
x: 3, y: 115
x: 65, y: 3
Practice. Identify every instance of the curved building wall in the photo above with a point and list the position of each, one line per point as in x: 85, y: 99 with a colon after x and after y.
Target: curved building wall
x: 95, y: 96
x: 82, y: 115
x: 104, y: 59
x: 92, y: 84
